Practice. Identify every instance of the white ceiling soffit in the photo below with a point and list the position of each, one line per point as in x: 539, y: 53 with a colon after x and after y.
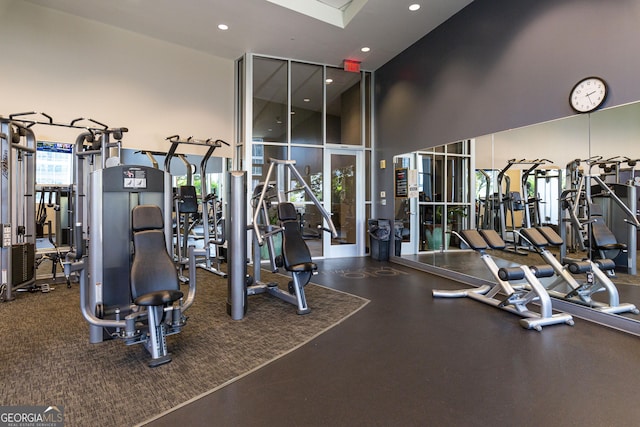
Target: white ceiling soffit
x: 334, y: 12
x: 387, y: 27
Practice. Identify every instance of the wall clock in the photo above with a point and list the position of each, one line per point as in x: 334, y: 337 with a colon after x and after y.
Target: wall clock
x: 588, y: 94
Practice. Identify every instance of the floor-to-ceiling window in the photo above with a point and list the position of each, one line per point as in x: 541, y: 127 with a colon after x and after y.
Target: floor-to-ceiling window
x: 305, y: 112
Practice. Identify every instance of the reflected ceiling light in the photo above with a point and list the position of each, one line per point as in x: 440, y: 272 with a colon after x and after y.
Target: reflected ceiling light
x: 223, y: 27
x: 414, y: 7
x: 365, y: 49
x: 306, y: 100
x: 329, y: 81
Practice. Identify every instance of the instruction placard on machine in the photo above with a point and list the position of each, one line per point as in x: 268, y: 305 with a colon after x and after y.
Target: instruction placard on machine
x: 134, y: 178
x: 6, y: 236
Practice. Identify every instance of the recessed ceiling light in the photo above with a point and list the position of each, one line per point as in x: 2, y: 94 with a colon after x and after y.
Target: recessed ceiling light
x: 414, y: 7
x: 223, y: 27
x: 365, y: 49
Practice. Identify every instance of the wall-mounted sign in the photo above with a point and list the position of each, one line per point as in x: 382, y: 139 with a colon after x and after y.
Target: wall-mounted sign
x: 402, y: 182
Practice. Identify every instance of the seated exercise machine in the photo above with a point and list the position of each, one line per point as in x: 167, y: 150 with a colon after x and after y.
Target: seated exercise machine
x: 596, y: 279
x: 193, y: 211
x: 604, y: 243
x: 154, y: 281
x: 134, y: 297
x: 516, y: 298
x: 295, y: 256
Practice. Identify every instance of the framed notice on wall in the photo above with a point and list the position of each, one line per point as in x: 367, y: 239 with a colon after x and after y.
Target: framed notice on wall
x: 402, y: 182
x: 412, y: 191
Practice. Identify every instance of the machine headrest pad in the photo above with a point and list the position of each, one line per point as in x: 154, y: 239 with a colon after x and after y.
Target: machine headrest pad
x: 146, y: 217
x: 287, y: 212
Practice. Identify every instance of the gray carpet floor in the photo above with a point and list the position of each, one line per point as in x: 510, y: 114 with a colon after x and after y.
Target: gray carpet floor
x: 47, y: 359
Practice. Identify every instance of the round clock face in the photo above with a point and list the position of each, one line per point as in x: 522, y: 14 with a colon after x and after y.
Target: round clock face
x: 588, y: 94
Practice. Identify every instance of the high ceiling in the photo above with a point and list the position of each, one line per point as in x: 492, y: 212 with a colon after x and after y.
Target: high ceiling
x: 337, y: 30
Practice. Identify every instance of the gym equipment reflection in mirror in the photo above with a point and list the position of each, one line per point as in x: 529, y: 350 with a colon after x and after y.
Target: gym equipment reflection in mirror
x: 576, y: 175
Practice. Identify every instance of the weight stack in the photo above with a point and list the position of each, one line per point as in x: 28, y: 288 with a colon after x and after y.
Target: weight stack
x: 22, y: 263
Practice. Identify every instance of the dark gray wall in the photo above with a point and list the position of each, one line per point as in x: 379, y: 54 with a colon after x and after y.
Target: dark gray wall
x: 501, y: 64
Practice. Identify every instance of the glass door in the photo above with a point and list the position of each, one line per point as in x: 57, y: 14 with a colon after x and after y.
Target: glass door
x: 345, y: 201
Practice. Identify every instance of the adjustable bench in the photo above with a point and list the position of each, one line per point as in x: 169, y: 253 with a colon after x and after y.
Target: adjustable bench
x: 517, y: 298
x: 596, y: 280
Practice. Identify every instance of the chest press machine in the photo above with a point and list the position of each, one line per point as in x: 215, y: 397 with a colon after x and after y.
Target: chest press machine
x: 295, y: 256
x: 518, y: 298
x: 596, y: 278
x: 131, y: 296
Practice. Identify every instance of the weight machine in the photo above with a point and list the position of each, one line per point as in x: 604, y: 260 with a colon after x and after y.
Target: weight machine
x: 586, y: 204
x: 511, y: 202
x: 17, y: 212
x: 186, y: 206
x: 520, y: 298
x: 57, y: 198
x: 295, y: 256
x: 565, y: 286
x: 136, y: 297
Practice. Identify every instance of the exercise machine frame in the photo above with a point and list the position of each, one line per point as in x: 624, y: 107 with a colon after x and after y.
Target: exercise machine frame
x: 517, y: 297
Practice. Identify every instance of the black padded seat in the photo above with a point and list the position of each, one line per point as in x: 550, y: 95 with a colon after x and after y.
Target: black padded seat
x: 474, y: 239
x: 158, y: 298
x: 603, y: 238
x: 154, y: 279
x: 534, y: 237
x: 550, y: 234
x: 305, y: 266
x: 493, y: 239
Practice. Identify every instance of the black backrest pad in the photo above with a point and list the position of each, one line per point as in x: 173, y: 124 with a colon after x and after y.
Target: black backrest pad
x: 534, y: 237
x: 294, y: 248
x: 602, y: 235
x: 146, y: 217
x: 188, y: 199
x: 493, y: 239
x: 152, y: 268
x: 550, y: 234
x: 474, y: 239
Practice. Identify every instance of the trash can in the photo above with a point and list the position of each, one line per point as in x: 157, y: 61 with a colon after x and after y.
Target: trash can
x: 380, y: 238
x: 398, y: 231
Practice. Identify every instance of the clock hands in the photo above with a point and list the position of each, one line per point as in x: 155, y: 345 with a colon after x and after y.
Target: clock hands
x: 589, y: 96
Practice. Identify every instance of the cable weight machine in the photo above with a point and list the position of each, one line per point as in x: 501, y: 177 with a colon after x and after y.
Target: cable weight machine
x: 186, y: 207
x: 17, y: 212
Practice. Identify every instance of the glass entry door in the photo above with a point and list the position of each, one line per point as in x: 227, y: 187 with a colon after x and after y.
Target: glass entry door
x: 344, y: 187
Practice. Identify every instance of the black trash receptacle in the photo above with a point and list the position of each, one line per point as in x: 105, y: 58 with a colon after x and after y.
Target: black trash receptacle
x: 398, y: 231
x: 380, y: 238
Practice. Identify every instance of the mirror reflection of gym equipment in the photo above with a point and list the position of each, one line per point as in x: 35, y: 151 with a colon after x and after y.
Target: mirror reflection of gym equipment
x: 593, y: 189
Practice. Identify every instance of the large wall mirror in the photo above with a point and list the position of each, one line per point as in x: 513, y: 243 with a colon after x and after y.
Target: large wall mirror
x: 537, y: 162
